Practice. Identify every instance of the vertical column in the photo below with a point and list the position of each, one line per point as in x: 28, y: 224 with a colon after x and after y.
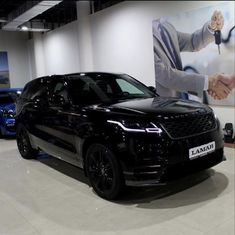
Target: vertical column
x: 84, y: 36
x: 39, y: 56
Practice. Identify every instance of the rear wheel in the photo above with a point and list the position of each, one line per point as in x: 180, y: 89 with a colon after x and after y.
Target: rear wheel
x: 23, y: 143
x: 104, y: 172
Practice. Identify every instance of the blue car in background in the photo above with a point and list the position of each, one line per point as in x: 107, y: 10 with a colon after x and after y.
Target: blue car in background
x: 7, y: 110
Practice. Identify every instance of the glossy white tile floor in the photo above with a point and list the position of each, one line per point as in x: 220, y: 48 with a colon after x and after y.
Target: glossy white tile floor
x: 49, y: 197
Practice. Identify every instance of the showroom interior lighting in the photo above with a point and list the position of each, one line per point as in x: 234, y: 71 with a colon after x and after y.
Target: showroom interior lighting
x: 24, y: 28
x: 14, y: 14
x: 2, y: 20
x: 34, y: 26
x: 19, y: 17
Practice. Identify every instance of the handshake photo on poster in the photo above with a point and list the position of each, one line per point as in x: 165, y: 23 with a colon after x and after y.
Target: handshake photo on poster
x: 221, y: 85
x: 194, y: 55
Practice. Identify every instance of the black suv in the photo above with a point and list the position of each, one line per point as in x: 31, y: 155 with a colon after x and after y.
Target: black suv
x: 117, y: 129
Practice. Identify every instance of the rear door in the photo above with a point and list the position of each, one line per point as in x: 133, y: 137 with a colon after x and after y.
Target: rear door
x: 32, y: 104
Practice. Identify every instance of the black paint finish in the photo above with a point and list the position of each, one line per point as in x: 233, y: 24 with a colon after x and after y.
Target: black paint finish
x: 149, y: 135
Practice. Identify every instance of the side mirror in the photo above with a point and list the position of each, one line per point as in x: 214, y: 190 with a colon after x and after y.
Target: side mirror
x: 153, y: 89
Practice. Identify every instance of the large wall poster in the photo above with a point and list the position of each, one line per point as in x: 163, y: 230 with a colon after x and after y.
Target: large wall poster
x: 4, y: 70
x: 208, y: 61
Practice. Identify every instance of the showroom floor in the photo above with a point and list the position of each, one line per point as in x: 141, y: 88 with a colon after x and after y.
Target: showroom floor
x: 49, y: 197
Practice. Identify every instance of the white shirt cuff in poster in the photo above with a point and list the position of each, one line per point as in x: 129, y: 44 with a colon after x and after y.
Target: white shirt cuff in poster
x: 209, y: 29
x: 206, y: 84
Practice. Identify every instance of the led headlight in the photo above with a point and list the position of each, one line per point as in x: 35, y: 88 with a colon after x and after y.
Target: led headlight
x: 130, y: 126
x: 7, y: 113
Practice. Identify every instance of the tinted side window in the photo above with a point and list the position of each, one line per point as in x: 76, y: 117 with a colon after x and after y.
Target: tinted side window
x: 82, y: 92
x: 35, y: 88
x: 61, y: 89
x: 58, y: 89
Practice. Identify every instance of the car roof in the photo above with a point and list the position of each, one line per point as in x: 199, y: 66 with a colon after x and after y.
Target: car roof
x: 92, y: 73
x: 10, y: 89
x: 81, y: 74
x: 71, y: 74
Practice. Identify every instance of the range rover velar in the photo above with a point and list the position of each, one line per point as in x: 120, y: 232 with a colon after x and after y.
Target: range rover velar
x: 117, y: 129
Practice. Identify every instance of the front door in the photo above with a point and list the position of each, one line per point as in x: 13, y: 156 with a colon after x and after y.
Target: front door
x: 56, y: 124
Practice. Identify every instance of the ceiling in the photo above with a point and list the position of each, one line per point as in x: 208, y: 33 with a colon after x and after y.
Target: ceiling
x: 43, y: 20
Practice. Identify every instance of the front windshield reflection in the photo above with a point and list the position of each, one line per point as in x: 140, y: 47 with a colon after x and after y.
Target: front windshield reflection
x: 105, y: 89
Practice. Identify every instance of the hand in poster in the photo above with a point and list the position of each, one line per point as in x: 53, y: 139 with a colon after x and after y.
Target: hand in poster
x: 217, y: 21
x: 220, y: 85
x: 228, y: 80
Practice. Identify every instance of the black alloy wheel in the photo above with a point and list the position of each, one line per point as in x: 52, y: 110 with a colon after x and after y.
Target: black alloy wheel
x: 104, y: 172
x: 24, y: 144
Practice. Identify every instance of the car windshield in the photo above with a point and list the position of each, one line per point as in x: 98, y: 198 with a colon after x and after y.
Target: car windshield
x: 105, y: 88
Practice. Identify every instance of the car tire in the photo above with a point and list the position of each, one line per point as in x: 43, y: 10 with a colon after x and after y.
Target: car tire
x: 24, y: 146
x: 104, y: 171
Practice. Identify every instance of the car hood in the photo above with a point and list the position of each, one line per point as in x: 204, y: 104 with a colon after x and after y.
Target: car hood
x: 10, y: 106
x: 155, y: 106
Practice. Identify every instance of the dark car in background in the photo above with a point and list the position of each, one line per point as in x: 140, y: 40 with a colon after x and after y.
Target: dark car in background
x: 116, y: 129
x: 7, y: 110
x: 4, y: 80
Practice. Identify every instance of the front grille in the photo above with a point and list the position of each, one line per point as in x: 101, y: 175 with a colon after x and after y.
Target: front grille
x: 189, y: 125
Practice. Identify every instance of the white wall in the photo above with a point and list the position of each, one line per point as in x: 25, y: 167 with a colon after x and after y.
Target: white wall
x: 39, y: 60
x: 84, y: 36
x: 122, y: 39
x: 122, y: 35
x: 61, y: 50
x: 225, y: 114
x: 55, y: 52
x: 16, y: 45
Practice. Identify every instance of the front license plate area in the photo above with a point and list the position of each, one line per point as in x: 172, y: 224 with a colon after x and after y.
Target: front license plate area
x: 202, y: 150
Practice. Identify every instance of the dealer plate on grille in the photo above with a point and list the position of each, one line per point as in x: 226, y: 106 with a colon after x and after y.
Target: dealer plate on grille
x: 201, y: 150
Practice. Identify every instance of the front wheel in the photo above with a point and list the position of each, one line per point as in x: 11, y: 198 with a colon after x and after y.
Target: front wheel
x: 23, y: 143
x: 104, y: 171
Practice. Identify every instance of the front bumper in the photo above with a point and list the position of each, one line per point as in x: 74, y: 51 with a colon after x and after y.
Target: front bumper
x: 8, y: 127
x: 163, y: 159
x: 172, y: 172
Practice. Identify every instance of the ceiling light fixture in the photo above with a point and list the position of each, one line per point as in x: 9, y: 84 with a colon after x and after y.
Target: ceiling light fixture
x: 28, y: 14
x: 2, y: 20
x: 24, y: 28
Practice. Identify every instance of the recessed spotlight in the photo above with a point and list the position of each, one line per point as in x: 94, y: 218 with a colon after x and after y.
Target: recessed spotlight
x: 24, y: 28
